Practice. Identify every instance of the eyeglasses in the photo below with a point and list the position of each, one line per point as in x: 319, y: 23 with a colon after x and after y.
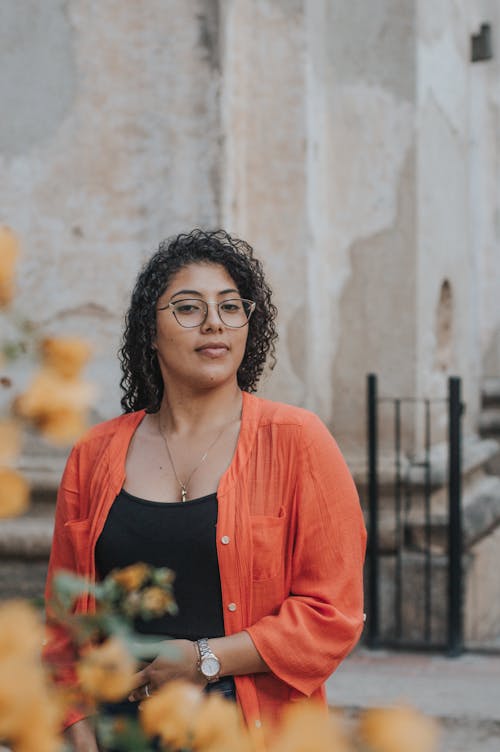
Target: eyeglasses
x: 192, y: 312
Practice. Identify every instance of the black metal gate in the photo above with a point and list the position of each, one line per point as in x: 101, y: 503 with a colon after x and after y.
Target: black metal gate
x: 411, y: 572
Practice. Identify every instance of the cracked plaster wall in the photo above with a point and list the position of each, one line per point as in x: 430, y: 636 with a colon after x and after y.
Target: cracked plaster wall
x: 373, y: 177
x: 357, y: 152
x: 112, y: 141
x: 264, y: 199
x: 458, y: 195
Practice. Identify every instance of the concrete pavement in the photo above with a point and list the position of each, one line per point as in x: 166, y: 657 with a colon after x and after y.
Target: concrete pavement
x: 462, y: 693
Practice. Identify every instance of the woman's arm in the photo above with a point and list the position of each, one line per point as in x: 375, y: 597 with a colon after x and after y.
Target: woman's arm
x: 321, y: 620
x: 237, y: 655
x: 81, y: 736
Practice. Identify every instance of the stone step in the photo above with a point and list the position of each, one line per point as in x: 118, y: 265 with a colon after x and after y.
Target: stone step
x: 24, y: 552
x: 28, y: 536
x: 477, y: 453
x: 491, y: 392
x: 480, y: 516
x: 489, y: 422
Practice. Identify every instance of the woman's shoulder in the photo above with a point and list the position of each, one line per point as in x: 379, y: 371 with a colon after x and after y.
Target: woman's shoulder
x: 104, y: 431
x: 284, y: 414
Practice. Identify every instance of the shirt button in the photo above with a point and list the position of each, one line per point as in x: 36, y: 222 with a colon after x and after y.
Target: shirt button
x: 258, y: 723
x: 232, y: 606
x: 225, y: 539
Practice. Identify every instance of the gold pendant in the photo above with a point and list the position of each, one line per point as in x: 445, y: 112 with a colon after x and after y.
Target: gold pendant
x: 183, y: 493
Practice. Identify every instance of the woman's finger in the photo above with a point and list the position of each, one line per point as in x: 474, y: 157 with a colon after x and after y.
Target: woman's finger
x: 141, y: 693
x: 139, y: 678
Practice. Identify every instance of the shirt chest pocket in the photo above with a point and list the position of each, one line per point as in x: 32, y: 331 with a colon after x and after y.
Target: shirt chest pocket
x: 268, y: 543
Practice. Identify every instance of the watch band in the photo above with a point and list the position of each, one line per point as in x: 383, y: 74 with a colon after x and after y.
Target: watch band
x: 208, y: 663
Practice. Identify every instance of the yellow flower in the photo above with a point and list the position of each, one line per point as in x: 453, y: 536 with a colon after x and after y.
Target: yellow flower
x: 9, y: 251
x: 14, y: 493
x: 106, y: 672
x: 307, y: 727
x: 55, y: 405
x: 164, y: 576
x: 219, y: 728
x: 64, y: 426
x: 21, y: 632
x: 29, y: 711
x: 66, y: 355
x: 10, y: 440
x: 131, y: 577
x: 156, y: 601
x: 170, y: 713
x: 394, y: 729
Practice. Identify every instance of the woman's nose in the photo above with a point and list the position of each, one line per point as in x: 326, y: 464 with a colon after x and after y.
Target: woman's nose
x: 213, y: 320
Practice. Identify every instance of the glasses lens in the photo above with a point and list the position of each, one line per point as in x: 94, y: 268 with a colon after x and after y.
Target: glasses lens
x: 235, y: 312
x: 190, y: 312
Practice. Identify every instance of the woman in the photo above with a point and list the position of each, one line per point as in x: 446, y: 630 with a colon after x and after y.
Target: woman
x: 249, y: 501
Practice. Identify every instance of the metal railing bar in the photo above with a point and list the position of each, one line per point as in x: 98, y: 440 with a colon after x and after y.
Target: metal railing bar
x: 372, y: 552
x: 398, y: 528
x: 428, y: 529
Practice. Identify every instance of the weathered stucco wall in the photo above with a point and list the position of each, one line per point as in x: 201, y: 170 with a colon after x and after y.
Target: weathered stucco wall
x: 358, y: 153
x: 458, y: 195
x: 484, y: 185
x: 265, y: 178
x: 372, y: 65
x: 109, y: 141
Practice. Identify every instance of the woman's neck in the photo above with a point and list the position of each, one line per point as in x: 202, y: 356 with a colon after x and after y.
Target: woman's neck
x: 185, y: 412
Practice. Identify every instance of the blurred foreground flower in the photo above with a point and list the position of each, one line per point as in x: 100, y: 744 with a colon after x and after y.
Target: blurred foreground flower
x: 57, y: 400
x: 131, y: 577
x: 9, y: 251
x: 394, y: 729
x: 106, y: 672
x: 155, y: 602
x: 30, y: 713
x: 307, y: 727
x: 170, y: 713
x: 184, y: 718
x: 14, y: 493
x: 65, y: 355
x: 10, y: 441
x: 219, y: 727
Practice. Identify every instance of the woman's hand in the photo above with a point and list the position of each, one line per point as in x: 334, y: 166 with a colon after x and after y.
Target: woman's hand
x: 182, y: 665
x: 81, y: 736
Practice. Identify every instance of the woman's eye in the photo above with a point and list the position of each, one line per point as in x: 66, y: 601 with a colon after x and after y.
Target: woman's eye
x: 187, y: 308
x: 231, y: 307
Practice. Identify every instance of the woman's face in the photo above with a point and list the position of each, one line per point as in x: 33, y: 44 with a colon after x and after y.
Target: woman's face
x: 207, y: 355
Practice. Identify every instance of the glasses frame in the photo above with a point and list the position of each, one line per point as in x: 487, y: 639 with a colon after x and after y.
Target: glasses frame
x: 206, y: 303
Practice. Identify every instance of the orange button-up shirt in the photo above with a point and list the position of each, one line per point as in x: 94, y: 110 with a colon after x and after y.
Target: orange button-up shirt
x: 290, y: 545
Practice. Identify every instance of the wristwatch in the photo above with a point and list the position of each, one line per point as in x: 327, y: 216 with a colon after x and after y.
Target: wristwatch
x: 208, y: 663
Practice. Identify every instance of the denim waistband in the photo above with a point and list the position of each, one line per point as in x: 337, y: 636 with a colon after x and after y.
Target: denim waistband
x: 224, y: 687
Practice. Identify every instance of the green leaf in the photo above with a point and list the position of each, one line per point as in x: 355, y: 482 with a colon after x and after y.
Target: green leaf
x: 122, y: 733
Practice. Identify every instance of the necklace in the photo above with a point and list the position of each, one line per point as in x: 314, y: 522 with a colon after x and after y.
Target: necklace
x: 184, y: 486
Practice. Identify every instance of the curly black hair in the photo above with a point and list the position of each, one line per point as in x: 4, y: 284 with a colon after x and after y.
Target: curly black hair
x: 142, y: 382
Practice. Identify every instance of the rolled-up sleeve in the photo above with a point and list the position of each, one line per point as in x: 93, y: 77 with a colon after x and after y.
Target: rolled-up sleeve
x: 321, y: 620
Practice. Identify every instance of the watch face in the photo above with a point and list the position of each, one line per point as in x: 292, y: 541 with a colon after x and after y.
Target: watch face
x: 210, y: 666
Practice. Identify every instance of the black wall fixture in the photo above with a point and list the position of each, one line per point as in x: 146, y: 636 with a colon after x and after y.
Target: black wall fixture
x: 481, y: 44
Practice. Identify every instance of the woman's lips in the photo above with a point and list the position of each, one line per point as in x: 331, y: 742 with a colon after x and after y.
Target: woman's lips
x: 212, y: 351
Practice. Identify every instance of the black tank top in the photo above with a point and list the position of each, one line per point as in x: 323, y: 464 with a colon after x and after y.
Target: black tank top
x: 179, y: 535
